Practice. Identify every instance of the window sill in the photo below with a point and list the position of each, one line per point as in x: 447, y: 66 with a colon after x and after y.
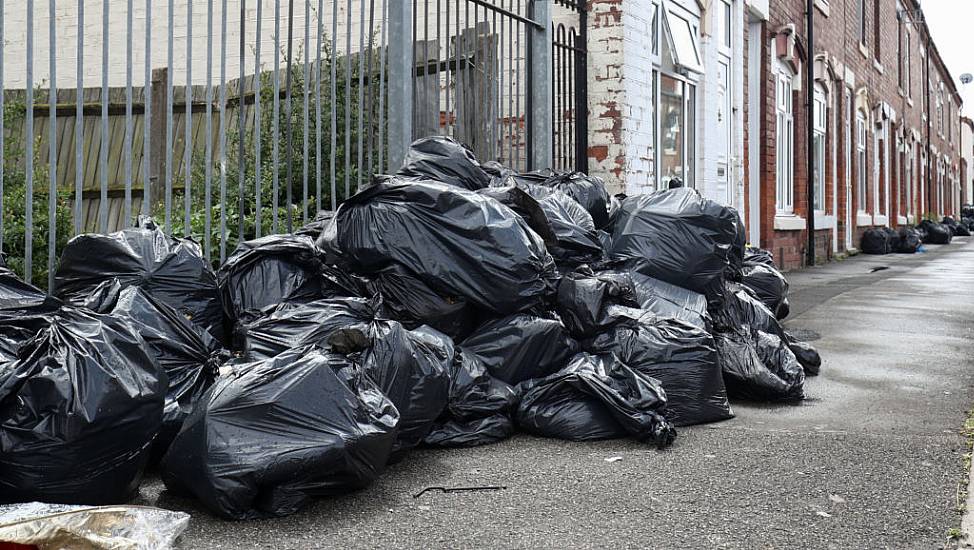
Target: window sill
x: 823, y: 6
x: 863, y: 50
x: 909, y: 101
x: 880, y: 219
x: 863, y: 219
x: 789, y: 222
x: 878, y: 66
x: 901, y: 220
x: 909, y: 219
x: 824, y: 221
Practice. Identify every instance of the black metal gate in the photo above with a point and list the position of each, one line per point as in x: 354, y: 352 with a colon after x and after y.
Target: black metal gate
x: 570, y: 86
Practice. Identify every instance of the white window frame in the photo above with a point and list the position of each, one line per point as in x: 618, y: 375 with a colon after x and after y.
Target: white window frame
x: 909, y: 69
x: 784, y: 140
x: 820, y: 132
x: 682, y: 30
x: 861, y: 168
x: 862, y: 22
x: 725, y: 25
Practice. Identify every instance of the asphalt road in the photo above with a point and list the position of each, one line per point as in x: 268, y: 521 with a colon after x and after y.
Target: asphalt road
x: 872, y: 459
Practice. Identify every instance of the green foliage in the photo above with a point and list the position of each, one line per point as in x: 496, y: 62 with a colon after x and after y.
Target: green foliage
x: 359, y: 123
x: 14, y: 207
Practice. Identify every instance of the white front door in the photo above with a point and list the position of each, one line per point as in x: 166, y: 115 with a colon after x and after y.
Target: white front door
x: 722, y: 130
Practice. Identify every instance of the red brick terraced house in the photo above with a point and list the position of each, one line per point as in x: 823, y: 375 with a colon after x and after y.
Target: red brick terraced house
x: 886, y: 124
x: 714, y: 92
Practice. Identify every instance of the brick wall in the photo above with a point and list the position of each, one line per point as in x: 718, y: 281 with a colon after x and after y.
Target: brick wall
x: 872, y: 73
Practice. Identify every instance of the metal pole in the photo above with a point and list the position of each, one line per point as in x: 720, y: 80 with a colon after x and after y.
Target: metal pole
x: 320, y: 30
x: 307, y: 110
x: 129, y: 128
x: 400, y: 81
x: 169, y: 116
x: 147, y: 115
x: 208, y: 170
x: 188, y: 126
x: 333, y: 104
x: 79, y: 120
x: 241, y: 129
x: 288, y: 113
x: 810, y: 130
x: 258, y: 88
x: 103, y: 157
x: 29, y: 152
x: 223, y: 132
x: 51, y: 150
x: 3, y: 155
x: 539, y: 88
x: 275, y: 124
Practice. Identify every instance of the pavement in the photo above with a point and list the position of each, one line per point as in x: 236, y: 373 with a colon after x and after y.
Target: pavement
x: 872, y: 459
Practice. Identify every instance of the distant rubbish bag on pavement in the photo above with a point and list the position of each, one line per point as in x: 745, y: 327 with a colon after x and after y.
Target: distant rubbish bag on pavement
x: 63, y: 526
x: 595, y: 397
x: 910, y: 241
x: 173, y: 270
x: 460, y: 243
x: 935, y: 233
x: 443, y: 159
x: 680, y: 356
x: 78, y: 412
x: 271, y: 435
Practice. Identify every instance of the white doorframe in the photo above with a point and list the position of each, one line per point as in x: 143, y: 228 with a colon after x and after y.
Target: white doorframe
x: 753, y: 132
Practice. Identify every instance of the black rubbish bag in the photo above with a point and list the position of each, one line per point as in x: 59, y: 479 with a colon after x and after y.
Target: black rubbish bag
x: 876, y: 241
x: 584, y: 297
x: 276, y: 269
x: 521, y: 346
x: 443, y: 159
x: 759, y: 366
x: 935, y: 233
x: 769, y: 285
x: 78, y: 412
x: 173, y: 270
x: 456, y: 241
x: 568, y: 229
x: 589, y: 191
x: 480, y: 407
x: 412, y: 368
x: 317, y: 226
x: 755, y: 256
x: 961, y: 230
x: 189, y: 356
x: 24, y: 311
x: 679, y: 237
x: 292, y: 325
x: 412, y: 302
x: 741, y: 308
x: 271, y: 435
x: 595, y: 397
x: 909, y: 240
x: 666, y: 300
x: 680, y: 356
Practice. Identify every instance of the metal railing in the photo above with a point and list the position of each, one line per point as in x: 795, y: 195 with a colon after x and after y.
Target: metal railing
x: 230, y: 119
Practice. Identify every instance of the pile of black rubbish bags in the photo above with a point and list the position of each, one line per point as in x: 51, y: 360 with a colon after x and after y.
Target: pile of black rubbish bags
x: 448, y: 305
x: 907, y: 240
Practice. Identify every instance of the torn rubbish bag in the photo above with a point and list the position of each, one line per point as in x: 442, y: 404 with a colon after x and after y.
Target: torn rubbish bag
x: 521, y: 346
x: 584, y: 298
x: 456, y: 241
x: 78, y: 412
x: 173, y: 270
x: 588, y: 191
x: 680, y: 356
x: 595, y: 397
x: 307, y: 423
